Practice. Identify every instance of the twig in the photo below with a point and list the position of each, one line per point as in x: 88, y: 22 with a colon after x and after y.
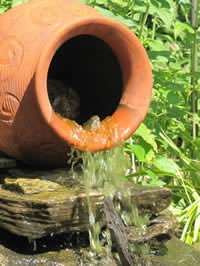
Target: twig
x: 118, y: 233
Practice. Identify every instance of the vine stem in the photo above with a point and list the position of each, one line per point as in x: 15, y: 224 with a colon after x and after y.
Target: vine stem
x: 194, y: 99
x: 153, y: 29
x: 144, y: 19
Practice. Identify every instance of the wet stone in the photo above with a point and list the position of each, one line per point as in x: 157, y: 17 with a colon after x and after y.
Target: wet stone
x: 46, y: 212
x: 196, y: 246
x: 175, y: 252
x: 148, y: 200
x: 60, y: 250
x: 164, y: 225
x: 7, y: 162
x: 30, y: 186
x: 60, y: 258
x: 65, y: 257
x: 93, y: 123
x: 40, y: 203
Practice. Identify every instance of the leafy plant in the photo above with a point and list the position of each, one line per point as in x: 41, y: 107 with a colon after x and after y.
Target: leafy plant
x: 7, y: 4
x: 163, y: 149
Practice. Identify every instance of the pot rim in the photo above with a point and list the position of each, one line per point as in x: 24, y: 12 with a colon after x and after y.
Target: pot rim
x: 130, y: 111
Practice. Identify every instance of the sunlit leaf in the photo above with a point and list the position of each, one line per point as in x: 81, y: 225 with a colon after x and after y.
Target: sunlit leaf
x: 181, y: 28
x: 149, y: 156
x: 166, y: 16
x: 2, y: 9
x: 125, y: 21
x: 147, y: 135
x: 138, y: 150
x: 196, y: 228
x: 166, y: 165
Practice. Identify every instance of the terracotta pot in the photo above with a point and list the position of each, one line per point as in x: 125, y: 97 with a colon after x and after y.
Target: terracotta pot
x: 102, y: 59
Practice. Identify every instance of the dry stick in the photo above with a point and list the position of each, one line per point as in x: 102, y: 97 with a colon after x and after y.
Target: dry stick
x: 118, y: 233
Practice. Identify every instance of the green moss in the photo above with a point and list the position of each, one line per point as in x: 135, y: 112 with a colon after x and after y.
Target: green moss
x: 29, y: 186
x: 59, y: 196
x: 177, y: 252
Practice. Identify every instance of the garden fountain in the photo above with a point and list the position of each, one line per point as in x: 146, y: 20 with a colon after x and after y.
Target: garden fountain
x: 109, y: 70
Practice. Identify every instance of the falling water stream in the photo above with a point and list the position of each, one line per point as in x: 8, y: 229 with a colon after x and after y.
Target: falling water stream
x: 105, y: 170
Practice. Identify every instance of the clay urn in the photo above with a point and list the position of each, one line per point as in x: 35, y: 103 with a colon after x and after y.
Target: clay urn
x: 101, y: 59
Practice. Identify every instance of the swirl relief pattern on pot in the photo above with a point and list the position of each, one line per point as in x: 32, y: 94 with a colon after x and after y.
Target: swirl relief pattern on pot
x: 10, y: 58
x: 9, y: 104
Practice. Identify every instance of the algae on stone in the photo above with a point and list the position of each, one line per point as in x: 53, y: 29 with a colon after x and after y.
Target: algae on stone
x: 35, y: 212
x: 177, y: 252
x: 164, y: 225
x: 58, y: 258
x: 30, y: 186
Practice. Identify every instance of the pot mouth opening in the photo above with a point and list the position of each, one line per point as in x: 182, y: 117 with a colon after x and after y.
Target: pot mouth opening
x: 104, y: 64
x: 84, y: 79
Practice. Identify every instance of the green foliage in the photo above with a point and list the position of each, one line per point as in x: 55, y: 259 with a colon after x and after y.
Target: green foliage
x: 7, y: 4
x: 162, y: 151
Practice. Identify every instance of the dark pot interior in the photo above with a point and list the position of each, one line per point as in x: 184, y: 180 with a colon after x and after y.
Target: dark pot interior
x: 89, y: 66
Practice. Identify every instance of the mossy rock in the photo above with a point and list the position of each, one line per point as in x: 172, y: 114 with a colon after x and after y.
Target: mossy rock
x: 30, y: 186
x: 40, y: 203
x: 176, y: 252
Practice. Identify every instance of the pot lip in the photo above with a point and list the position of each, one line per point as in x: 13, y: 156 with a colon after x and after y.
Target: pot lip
x: 128, y: 114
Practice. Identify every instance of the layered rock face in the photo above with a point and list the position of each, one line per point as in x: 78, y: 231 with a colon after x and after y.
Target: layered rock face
x: 50, y: 208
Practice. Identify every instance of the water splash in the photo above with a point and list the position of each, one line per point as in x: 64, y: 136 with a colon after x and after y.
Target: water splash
x: 104, y: 170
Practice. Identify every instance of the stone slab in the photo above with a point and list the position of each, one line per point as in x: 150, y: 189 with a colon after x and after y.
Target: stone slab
x: 68, y: 257
x: 62, y: 206
x: 7, y: 162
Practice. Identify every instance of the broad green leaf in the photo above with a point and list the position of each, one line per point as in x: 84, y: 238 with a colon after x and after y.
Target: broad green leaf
x: 153, y: 183
x: 166, y: 165
x: 156, y: 45
x: 125, y: 21
x: 151, y: 174
x: 105, y: 2
x: 162, y: 59
x: 147, y: 135
x: 119, y: 2
x: 2, y: 9
x: 18, y: 2
x: 136, y: 16
x: 175, y: 65
x: 149, y: 156
x: 165, y: 37
x: 140, y: 6
x: 159, y: 56
x: 180, y: 28
x: 138, y: 150
x: 154, y: 7
x: 172, y: 97
x: 166, y: 16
